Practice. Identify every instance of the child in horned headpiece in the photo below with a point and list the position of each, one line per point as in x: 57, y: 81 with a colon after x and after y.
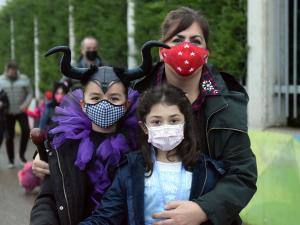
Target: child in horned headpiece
x: 94, y: 128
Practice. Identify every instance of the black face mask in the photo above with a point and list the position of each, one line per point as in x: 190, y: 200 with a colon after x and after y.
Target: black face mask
x: 91, y: 55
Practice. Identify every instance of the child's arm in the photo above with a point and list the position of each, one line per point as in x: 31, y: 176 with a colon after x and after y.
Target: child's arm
x: 113, y: 209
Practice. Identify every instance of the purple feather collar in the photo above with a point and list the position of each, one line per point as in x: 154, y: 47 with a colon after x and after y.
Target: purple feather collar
x: 72, y: 123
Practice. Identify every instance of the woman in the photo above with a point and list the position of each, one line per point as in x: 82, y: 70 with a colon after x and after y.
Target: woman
x: 219, y: 106
x: 162, y: 170
x: 94, y: 129
x: 220, y: 110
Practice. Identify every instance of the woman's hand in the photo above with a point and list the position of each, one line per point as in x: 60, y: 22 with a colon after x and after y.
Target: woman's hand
x: 40, y: 168
x: 181, y: 213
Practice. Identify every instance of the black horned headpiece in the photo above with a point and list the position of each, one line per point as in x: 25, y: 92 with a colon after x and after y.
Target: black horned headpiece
x: 105, y: 74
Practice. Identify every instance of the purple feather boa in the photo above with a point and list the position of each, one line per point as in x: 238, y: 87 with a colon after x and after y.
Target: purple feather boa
x: 72, y: 123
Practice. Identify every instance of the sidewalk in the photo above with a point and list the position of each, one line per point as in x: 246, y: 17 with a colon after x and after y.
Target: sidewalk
x: 15, y: 205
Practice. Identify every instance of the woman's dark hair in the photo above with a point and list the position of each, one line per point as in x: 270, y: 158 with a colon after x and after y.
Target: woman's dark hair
x: 188, y: 150
x: 181, y: 19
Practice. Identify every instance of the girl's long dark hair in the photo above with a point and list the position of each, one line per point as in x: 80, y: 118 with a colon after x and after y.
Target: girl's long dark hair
x: 188, y: 150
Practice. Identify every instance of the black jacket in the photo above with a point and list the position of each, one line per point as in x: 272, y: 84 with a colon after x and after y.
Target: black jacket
x: 225, y: 117
x: 125, y: 197
x: 64, y: 196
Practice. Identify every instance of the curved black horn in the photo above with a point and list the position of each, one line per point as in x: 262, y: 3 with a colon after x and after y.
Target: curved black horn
x: 146, y: 65
x: 65, y: 64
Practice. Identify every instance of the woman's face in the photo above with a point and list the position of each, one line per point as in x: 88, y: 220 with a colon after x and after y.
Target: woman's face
x: 114, y: 94
x: 192, y: 34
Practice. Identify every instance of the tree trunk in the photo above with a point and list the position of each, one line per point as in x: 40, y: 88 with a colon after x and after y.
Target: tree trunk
x: 36, y: 60
x: 12, y: 39
x: 131, y: 60
x: 71, y: 32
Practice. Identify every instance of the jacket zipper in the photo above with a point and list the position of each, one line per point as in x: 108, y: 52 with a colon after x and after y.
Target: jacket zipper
x: 63, y: 183
x: 226, y: 128
x: 207, y: 131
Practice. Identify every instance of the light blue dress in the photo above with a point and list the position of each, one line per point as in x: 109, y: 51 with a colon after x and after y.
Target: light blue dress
x: 168, y: 182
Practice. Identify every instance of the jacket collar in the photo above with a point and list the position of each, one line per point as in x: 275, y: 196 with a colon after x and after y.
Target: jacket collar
x: 215, y: 103
x: 231, y: 103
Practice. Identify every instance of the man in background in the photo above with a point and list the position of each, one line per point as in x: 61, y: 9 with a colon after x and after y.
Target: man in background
x: 89, y: 53
x: 89, y: 56
x: 18, y: 89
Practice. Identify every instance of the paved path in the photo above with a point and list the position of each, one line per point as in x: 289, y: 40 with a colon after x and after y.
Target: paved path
x: 15, y: 205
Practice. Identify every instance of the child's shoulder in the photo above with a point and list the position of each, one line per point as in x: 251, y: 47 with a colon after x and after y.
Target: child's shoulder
x: 131, y: 158
x: 131, y: 162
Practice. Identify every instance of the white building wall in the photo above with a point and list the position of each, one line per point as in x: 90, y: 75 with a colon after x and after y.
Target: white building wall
x: 265, y: 64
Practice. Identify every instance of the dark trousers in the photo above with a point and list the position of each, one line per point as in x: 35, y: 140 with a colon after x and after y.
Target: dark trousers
x: 10, y: 130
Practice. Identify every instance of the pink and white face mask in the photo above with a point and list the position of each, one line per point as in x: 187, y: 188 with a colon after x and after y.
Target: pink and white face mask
x: 166, y: 137
x: 58, y: 97
x: 185, y: 58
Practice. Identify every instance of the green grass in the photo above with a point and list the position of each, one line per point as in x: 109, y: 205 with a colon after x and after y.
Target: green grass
x: 277, y: 201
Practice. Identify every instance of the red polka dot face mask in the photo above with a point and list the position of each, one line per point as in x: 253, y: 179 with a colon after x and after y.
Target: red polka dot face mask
x: 185, y: 58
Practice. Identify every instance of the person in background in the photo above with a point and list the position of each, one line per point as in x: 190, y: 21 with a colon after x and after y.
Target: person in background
x: 19, y: 92
x: 39, y: 109
x: 89, y: 51
x: 60, y: 89
x: 4, y: 104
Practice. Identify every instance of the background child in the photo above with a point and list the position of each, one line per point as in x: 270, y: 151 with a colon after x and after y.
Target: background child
x: 168, y: 167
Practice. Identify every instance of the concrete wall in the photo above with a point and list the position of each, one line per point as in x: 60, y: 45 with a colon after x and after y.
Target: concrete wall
x: 265, y: 62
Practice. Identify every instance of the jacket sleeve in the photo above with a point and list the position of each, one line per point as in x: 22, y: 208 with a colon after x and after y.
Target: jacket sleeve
x: 113, y: 209
x: 44, y: 209
x: 4, y: 100
x: 238, y: 185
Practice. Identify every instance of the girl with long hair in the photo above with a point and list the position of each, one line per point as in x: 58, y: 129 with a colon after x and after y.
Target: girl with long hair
x: 168, y: 167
